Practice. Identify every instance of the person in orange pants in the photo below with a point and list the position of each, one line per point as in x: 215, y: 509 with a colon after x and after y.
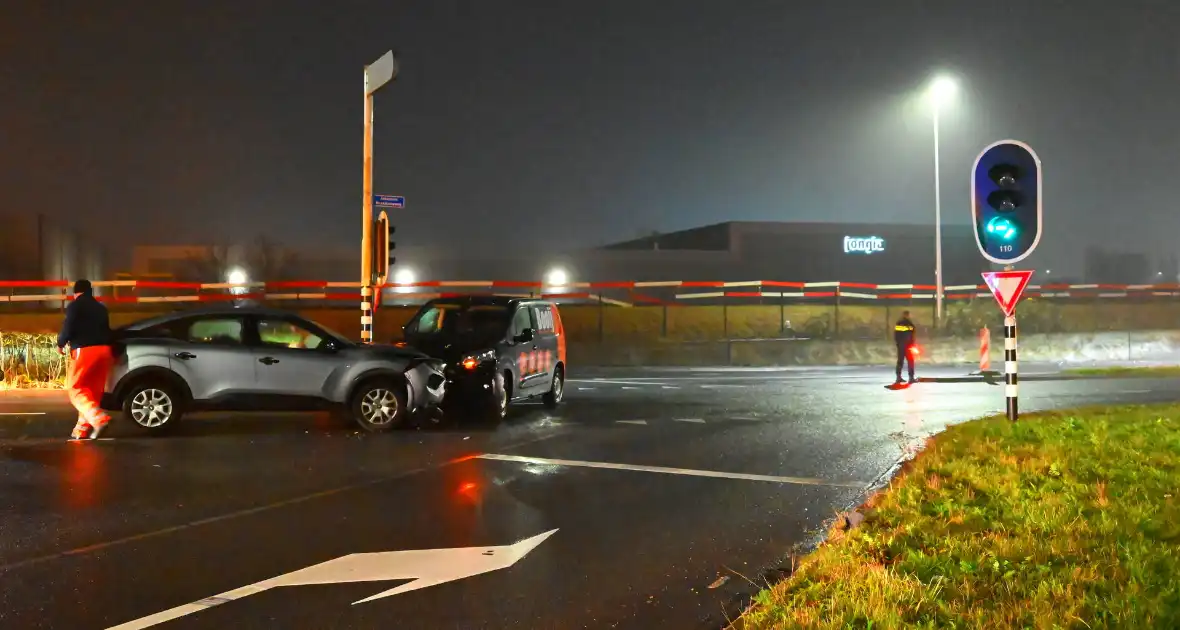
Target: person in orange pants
x: 87, y: 332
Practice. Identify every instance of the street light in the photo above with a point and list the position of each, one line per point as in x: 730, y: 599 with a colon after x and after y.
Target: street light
x: 377, y: 75
x: 941, y: 91
x: 237, y: 276
x: 557, y: 277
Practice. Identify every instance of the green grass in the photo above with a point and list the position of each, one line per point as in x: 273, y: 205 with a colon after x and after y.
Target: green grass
x: 1063, y: 520
x: 1159, y: 370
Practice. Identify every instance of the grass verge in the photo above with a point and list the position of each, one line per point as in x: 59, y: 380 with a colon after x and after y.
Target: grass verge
x: 1063, y: 520
x: 1146, y: 371
x: 30, y: 361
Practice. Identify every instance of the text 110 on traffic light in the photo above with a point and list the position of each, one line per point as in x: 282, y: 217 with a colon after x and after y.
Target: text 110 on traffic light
x: 382, y: 248
x: 1006, y: 201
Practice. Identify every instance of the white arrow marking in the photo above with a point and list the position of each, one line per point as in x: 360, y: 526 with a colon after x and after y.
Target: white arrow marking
x: 426, y: 567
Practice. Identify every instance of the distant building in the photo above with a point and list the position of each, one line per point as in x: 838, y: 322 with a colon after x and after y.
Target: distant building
x: 803, y: 252
x: 33, y: 247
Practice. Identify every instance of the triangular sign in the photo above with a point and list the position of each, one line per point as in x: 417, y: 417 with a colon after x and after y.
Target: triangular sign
x: 1007, y: 286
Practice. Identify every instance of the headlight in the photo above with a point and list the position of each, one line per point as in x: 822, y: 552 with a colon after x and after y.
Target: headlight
x: 472, y: 361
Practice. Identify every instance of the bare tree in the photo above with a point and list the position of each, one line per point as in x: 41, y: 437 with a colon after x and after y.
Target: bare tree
x: 268, y: 260
x: 213, y: 266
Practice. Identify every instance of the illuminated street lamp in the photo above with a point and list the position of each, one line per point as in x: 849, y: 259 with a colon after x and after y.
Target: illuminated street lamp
x: 237, y: 276
x: 556, y: 277
x: 403, y: 279
x: 942, y: 91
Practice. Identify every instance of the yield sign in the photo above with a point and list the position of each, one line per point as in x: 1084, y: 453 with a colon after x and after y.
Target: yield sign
x: 1007, y: 286
x: 425, y: 567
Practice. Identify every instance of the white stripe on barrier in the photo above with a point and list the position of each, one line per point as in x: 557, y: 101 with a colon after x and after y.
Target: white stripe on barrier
x: 1009, y: 367
x: 957, y: 287
x: 1139, y: 287
x: 342, y: 285
x: 749, y: 283
x: 168, y: 298
x: 365, y: 319
x: 791, y: 294
x: 662, y: 283
x: 1009, y: 343
x: 850, y: 294
x: 1112, y: 295
x: 1083, y: 286
x: 57, y: 297
x: 465, y: 283
x: 897, y: 286
x: 922, y: 296
x: 820, y: 284
x: 606, y: 300
x: 114, y: 283
x: 689, y: 296
x: 771, y: 294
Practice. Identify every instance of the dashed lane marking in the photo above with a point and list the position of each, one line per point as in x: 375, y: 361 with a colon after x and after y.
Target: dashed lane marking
x: 643, y: 422
x: 805, y: 481
x: 693, y: 420
x: 22, y: 413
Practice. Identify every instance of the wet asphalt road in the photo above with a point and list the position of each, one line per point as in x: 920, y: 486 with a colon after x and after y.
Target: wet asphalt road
x: 651, y: 499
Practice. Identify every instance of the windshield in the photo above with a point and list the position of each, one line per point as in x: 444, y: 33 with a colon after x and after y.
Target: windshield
x: 483, y: 322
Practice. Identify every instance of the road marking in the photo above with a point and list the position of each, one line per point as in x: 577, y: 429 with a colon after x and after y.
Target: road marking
x: 22, y: 413
x: 644, y: 422
x: 671, y: 471
x: 632, y: 381
x: 253, y: 510
x: 425, y: 567
x: 669, y: 387
x: 696, y: 420
x: 723, y: 386
x: 630, y: 387
x: 585, y: 389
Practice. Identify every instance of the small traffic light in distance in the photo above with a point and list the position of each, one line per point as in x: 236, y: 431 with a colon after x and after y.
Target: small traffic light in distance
x: 382, y: 232
x: 1006, y: 201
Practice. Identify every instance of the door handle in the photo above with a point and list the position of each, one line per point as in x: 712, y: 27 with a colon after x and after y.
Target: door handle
x: 185, y: 355
x: 268, y: 360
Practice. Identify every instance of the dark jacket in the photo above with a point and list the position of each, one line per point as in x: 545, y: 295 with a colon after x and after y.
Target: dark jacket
x: 87, y: 324
x: 903, y: 332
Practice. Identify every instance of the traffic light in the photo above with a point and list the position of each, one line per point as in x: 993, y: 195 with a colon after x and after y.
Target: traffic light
x: 382, y: 248
x: 1006, y: 201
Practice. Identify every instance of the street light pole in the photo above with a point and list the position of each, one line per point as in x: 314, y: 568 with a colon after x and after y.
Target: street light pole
x: 376, y: 75
x: 940, y: 91
x: 937, y: 227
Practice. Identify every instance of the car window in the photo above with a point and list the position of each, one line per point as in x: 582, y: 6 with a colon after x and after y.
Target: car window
x: 287, y: 334
x: 215, y: 330
x: 521, y: 321
x: 430, y: 320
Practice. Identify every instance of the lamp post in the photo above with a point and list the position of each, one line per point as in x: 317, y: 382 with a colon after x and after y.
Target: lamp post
x: 377, y: 75
x: 941, y: 90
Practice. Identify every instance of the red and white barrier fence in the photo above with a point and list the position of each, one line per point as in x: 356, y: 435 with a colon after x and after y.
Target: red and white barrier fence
x: 676, y: 291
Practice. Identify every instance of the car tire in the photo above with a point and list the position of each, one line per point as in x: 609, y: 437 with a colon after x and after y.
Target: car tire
x: 556, y: 393
x: 380, y: 405
x: 496, y: 406
x: 154, y: 405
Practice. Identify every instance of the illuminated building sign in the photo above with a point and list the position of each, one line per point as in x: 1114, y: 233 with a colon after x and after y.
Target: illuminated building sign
x: 863, y: 244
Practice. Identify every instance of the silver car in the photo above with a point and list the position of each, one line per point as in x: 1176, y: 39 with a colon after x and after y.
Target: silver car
x: 258, y: 359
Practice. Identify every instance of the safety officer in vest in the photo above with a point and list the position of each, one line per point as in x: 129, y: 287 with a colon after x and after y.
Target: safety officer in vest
x: 903, y: 336
x: 87, y: 332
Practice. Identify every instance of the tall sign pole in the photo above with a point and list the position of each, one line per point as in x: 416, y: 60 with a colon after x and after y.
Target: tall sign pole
x: 1006, y: 212
x: 377, y: 75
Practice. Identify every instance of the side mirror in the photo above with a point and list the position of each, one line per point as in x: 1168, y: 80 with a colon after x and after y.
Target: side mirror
x: 525, y: 336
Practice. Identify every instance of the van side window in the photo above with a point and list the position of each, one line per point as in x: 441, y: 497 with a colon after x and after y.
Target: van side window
x: 520, y: 321
x: 544, y: 318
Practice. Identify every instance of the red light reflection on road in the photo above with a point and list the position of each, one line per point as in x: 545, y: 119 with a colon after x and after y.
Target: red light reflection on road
x: 83, y: 475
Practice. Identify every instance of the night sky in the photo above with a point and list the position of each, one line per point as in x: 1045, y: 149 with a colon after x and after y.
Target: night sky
x: 583, y: 122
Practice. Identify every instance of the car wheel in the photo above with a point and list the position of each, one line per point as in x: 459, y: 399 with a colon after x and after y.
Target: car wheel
x: 154, y: 406
x: 380, y: 405
x: 497, y: 403
x: 552, y: 398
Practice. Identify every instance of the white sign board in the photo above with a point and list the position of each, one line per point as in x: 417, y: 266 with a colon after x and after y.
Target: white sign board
x: 863, y: 244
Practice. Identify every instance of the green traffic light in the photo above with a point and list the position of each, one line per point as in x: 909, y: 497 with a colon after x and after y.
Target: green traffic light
x: 1002, y: 228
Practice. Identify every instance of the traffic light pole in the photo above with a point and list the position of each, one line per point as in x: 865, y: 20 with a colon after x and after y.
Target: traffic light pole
x: 1011, y: 381
x: 377, y: 75
x: 367, y: 222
